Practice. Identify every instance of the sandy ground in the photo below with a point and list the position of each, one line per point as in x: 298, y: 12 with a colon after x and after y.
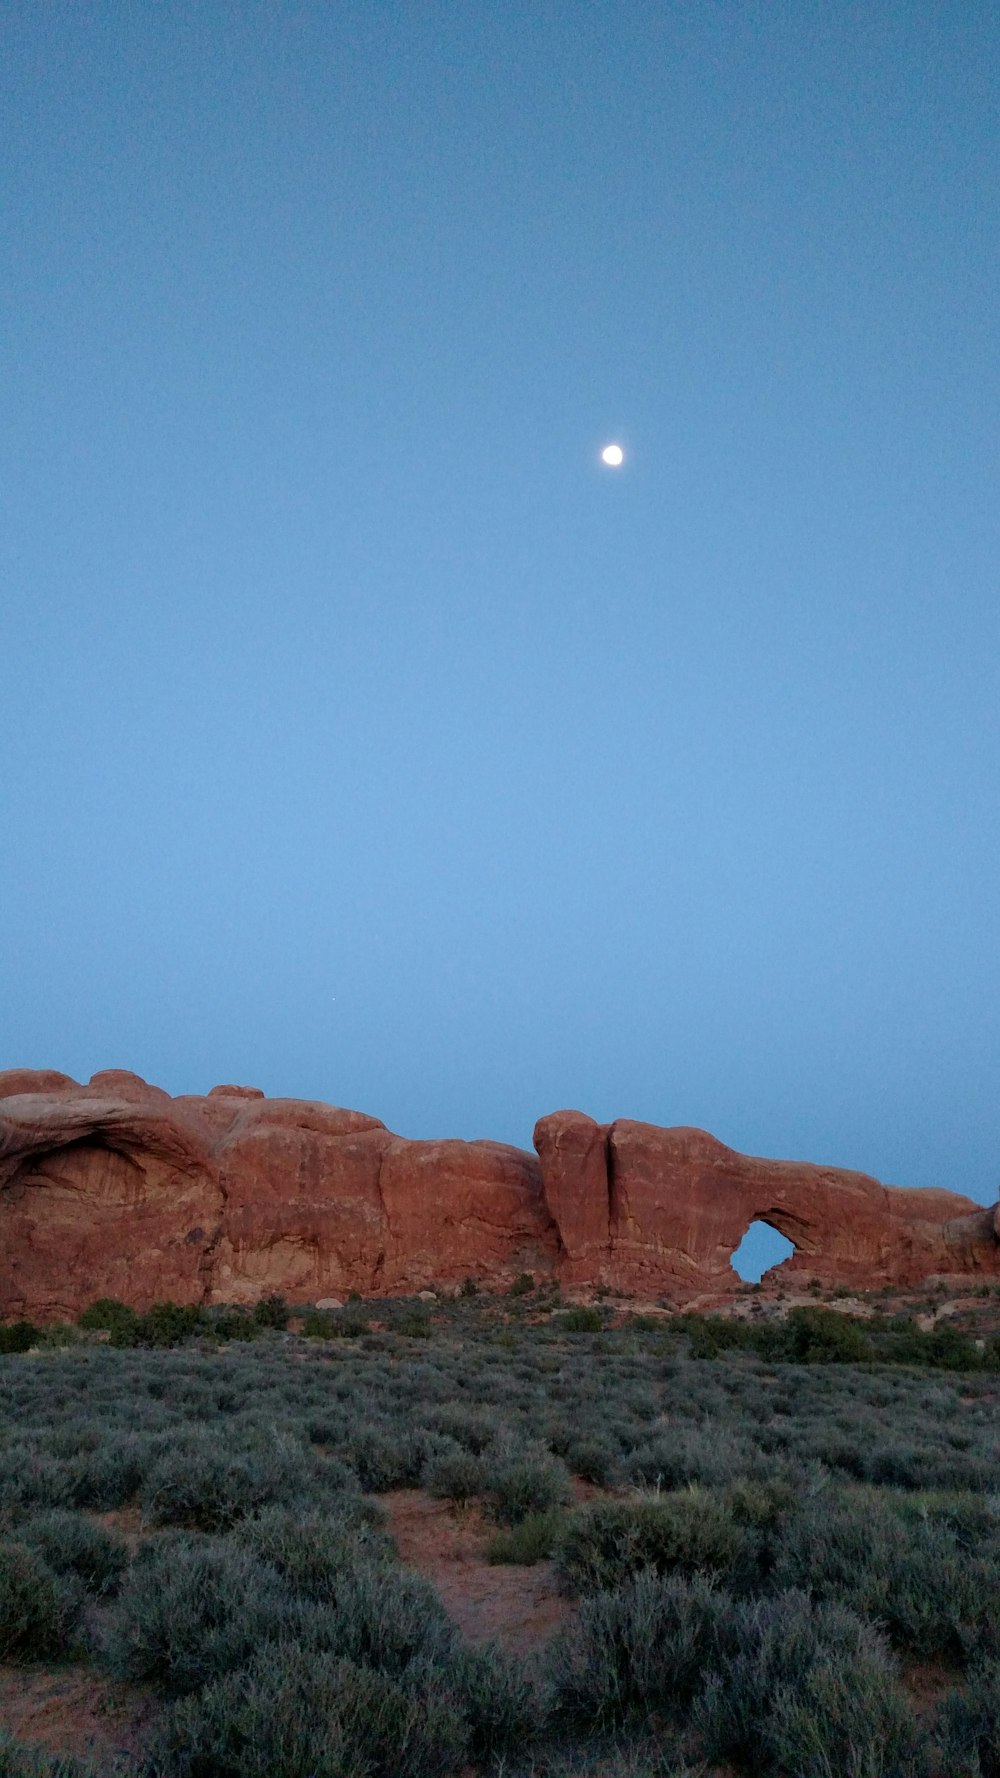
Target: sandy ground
x: 515, y: 1606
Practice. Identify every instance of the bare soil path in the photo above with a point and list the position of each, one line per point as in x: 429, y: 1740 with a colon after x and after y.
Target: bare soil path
x: 518, y: 1607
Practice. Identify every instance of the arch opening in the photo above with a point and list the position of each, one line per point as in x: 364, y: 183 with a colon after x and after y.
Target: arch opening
x: 762, y: 1248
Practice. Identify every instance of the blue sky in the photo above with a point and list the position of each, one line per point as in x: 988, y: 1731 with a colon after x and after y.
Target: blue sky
x: 362, y: 737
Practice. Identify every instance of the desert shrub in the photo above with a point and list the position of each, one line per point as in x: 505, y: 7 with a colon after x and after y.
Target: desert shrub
x: 232, y: 1324
x: 580, y: 1320
x: 107, y: 1477
x: 526, y: 1482
x: 968, y: 1727
x: 531, y: 1540
x: 73, y: 1545
x: 39, y: 1611
x: 18, y: 1761
x: 206, y: 1489
x: 105, y: 1313
x: 470, y: 1287
x: 467, y: 1425
x: 638, y: 1647
x: 523, y: 1285
x: 501, y: 1707
x: 683, y: 1533
x: 271, y: 1311
x: 385, y: 1459
x: 765, y: 1505
x: 911, y: 1576
x: 593, y: 1459
x: 384, y: 1617
x: 414, y: 1324
x: 681, y: 1455
x: 18, y: 1336
x: 823, y: 1336
x: 191, y: 1609
x: 453, y: 1474
x: 311, y: 1550
x: 164, y: 1324
x: 805, y: 1691
x: 318, y: 1324
x: 290, y: 1712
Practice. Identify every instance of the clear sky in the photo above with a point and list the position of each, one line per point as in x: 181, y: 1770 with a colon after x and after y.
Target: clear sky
x: 363, y: 738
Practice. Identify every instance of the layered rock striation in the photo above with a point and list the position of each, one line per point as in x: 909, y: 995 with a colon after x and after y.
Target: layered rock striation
x: 116, y: 1189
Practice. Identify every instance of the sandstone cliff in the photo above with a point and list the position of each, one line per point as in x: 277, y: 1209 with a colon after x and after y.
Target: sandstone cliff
x: 117, y: 1189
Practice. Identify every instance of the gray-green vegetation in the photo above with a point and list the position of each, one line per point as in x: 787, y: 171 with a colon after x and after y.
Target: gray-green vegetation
x: 790, y: 1517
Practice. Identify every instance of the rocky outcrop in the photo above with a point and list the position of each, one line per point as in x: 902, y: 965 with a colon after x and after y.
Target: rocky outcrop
x: 676, y: 1203
x: 117, y: 1189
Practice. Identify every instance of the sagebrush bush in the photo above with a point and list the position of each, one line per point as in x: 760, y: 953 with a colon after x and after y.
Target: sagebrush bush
x: 691, y: 1532
x: 384, y: 1460
x: 311, y: 1550
x: 71, y: 1544
x: 39, y: 1610
x: 909, y: 1575
x: 18, y: 1761
x: 191, y: 1609
x: 638, y: 1647
x: 206, y: 1488
x: 453, y: 1474
x: 293, y: 1713
x: 523, y: 1482
x: 805, y: 1691
x: 968, y: 1726
x: 501, y: 1707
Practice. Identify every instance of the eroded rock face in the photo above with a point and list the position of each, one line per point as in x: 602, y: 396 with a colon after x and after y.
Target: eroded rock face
x: 117, y: 1189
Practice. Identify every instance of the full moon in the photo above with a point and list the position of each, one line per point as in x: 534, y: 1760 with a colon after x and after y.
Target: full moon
x: 613, y: 456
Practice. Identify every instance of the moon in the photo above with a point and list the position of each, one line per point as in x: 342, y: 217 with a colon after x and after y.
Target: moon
x: 613, y: 456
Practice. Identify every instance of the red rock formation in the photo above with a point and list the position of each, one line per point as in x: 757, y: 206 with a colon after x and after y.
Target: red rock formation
x: 116, y: 1189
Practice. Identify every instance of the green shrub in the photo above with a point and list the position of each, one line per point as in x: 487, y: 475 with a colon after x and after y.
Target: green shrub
x: 523, y: 1285
x: 271, y: 1311
x: 823, y: 1336
x: 415, y: 1324
x: 533, y: 1539
x: 73, y: 1545
x: 39, y: 1611
x: 580, y: 1320
x: 684, y: 1533
x: 105, y: 1313
x: 164, y: 1324
x: 233, y: 1324
x: 18, y: 1336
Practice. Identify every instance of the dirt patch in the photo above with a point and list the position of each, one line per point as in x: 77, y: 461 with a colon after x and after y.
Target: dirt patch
x: 126, y: 1522
x: 927, y: 1682
x: 515, y: 1606
x: 70, y: 1710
